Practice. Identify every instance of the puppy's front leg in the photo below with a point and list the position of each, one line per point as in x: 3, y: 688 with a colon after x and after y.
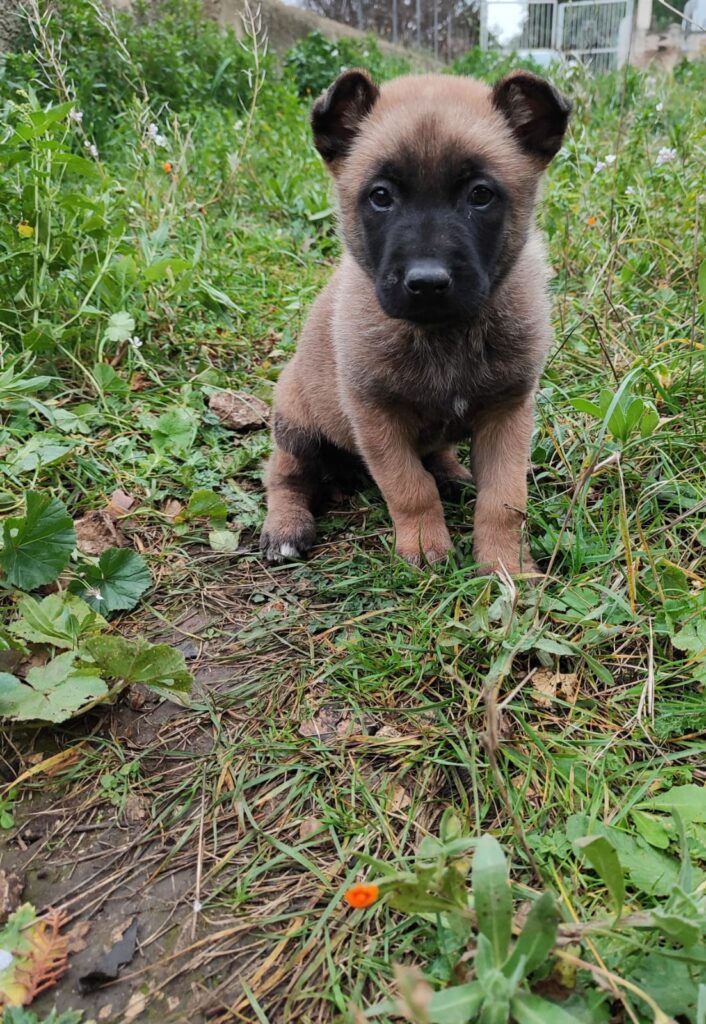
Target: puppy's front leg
x: 500, y: 457
x: 410, y: 491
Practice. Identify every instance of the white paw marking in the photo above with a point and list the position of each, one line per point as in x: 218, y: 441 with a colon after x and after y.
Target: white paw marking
x: 288, y: 551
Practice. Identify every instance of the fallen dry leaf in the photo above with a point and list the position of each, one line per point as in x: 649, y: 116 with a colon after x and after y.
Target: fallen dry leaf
x: 172, y: 508
x: 120, y: 503
x: 96, y: 532
x: 238, y: 410
x: 12, y: 885
x: 136, y: 1006
x: 548, y: 685
x: 137, y: 808
x: 76, y: 936
x: 328, y: 723
x: 106, y: 1012
x: 309, y: 827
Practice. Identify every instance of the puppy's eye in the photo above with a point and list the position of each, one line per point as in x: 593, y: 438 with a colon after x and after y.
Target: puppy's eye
x: 381, y: 198
x: 481, y: 195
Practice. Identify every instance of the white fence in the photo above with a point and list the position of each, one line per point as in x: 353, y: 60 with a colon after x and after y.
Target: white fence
x: 596, y: 32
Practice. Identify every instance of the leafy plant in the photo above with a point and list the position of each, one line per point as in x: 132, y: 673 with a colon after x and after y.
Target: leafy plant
x: 501, y: 986
x: 629, y: 415
x: 315, y: 61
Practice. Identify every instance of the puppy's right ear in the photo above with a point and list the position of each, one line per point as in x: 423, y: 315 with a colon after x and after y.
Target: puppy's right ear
x: 337, y: 115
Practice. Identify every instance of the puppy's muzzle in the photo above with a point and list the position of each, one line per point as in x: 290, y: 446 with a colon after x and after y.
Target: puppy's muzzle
x: 427, y: 278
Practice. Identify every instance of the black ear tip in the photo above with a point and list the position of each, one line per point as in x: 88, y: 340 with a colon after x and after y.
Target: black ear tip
x: 340, y: 109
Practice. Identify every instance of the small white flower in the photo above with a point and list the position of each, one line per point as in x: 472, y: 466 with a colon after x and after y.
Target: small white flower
x: 600, y: 166
x: 238, y: 126
x: 136, y: 342
x: 76, y: 116
x: 92, y: 149
x: 611, y: 158
x: 6, y: 958
x: 630, y: 191
x: 96, y: 594
x: 659, y: 108
x: 154, y: 135
x: 665, y: 156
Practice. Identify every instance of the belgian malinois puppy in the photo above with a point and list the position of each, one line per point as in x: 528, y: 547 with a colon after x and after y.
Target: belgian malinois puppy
x: 435, y: 325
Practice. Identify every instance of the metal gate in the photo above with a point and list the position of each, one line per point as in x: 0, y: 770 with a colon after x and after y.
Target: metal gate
x: 596, y: 32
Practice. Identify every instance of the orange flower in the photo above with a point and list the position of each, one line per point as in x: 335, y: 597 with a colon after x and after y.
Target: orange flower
x: 167, y: 167
x: 362, y: 896
x: 591, y: 221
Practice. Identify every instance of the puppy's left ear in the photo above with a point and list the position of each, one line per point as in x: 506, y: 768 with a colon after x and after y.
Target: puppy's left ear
x: 537, y: 112
x: 337, y: 115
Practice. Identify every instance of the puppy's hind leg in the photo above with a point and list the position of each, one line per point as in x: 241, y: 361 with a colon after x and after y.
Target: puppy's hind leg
x: 293, y: 481
x: 452, y: 478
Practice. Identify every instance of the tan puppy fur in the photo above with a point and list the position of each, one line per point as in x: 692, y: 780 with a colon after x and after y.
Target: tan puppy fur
x: 461, y: 346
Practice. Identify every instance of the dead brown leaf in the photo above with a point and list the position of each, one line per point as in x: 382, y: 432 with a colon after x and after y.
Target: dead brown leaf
x: 137, y: 808
x: 238, y: 410
x: 172, y: 508
x: 309, y: 827
x: 12, y: 885
x: 328, y: 723
x: 547, y: 686
x: 76, y: 936
x: 135, y: 1007
x: 96, y: 532
x: 120, y: 503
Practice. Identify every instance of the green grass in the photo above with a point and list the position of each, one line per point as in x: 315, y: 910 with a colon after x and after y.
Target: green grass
x: 405, y: 674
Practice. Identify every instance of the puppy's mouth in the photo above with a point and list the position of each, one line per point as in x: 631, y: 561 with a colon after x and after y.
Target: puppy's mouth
x: 453, y: 307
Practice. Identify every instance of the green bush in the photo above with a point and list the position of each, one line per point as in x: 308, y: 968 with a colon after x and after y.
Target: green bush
x: 168, y: 52
x: 315, y: 61
x: 492, y: 64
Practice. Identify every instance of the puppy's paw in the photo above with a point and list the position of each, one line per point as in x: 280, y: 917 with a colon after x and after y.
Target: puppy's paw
x: 430, y: 545
x: 287, y: 537
x: 497, y: 565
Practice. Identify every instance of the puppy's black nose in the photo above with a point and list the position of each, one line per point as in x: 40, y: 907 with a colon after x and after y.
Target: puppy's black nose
x: 427, y: 277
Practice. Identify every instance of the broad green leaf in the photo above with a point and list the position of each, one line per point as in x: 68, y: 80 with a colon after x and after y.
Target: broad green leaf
x: 688, y: 801
x: 651, y: 829
x: 158, y: 666
x: 110, y: 382
x: 52, y: 693
x: 224, y: 540
x: 59, y: 620
x: 38, y: 545
x: 175, y: 432
x: 701, y: 1005
x: 203, y: 504
x: 650, y: 870
x: 681, y: 919
x: 584, y: 405
x: 528, y: 1008
x: 537, y: 937
x: 121, y: 326
x: 164, y: 268
x: 602, y: 855
x: 672, y: 984
x: 43, y: 449
x: 456, y: 1005
x: 492, y: 896
x: 116, y: 583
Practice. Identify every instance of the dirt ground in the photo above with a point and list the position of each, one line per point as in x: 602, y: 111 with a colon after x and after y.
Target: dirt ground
x: 115, y: 856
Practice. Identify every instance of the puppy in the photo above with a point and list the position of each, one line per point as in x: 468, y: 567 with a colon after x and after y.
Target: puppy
x: 435, y: 325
